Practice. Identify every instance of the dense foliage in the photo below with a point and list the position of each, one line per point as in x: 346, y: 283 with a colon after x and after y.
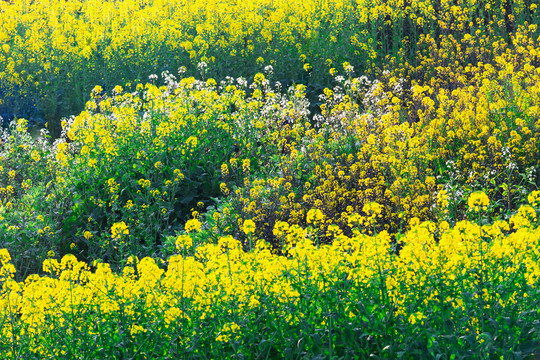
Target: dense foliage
x: 472, y: 293
x: 53, y: 53
x: 367, y: 184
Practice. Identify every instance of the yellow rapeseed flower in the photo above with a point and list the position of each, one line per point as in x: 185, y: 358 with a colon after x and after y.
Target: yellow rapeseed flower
x: 477, y: 201
x: 183, y: 242
x: 192, y: 225
x: 119, y: 229
x: 249, y: 227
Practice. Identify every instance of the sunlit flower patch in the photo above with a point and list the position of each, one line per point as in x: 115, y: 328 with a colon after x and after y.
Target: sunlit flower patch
x: 263, y: 179
x: 217, y: 296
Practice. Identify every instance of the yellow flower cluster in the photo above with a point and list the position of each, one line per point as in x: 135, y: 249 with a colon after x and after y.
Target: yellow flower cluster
x: 477, y: 201
x: 119, y: 230
x: 370, y: 195
x: 183, y: 242
x: 229, y: 330
x: 534, y: 198
x: 426, y: 274
x: 407, y: 142
x: 414, y: 142
x: 192, y: 225
x: 166, y: 148
x: 89, y: 42
x: 248, y: 227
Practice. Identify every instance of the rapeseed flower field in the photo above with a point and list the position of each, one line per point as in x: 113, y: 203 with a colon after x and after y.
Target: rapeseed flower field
x: 270, y: 179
